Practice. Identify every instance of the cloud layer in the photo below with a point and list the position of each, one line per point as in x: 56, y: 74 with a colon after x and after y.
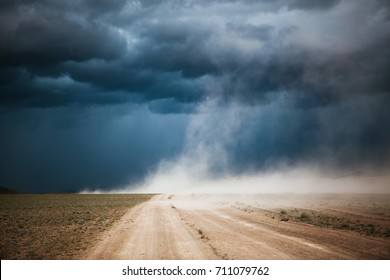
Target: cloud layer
x: 100, y: 94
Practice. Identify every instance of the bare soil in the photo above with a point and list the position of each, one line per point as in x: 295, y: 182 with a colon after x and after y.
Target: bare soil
x: 58, y: 226
x: 288, y: 226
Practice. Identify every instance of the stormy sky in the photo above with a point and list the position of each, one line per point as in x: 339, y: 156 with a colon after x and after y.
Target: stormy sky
x: 102, y: 95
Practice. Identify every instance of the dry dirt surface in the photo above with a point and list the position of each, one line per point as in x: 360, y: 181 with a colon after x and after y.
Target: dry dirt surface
x: 234, y: 227
x: 58, y: 226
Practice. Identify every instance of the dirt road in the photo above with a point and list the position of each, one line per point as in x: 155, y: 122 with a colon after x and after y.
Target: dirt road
x: 172, y: 228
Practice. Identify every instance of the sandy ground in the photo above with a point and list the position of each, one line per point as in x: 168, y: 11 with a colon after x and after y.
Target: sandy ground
x: 168, y: 227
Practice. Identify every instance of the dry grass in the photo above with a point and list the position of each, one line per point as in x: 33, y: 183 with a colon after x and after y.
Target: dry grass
x: 57, y: 226
x: 364, y: 226
x: 367, y: 214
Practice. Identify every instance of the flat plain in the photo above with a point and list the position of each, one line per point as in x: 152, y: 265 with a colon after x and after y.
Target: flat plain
x: 196, y: 226
x: 57, y: 226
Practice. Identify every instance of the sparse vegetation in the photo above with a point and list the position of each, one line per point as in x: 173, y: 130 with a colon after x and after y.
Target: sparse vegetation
x: 304, y: 217
x: 320, y: 219
x: 367, y: 214
x: 57, y: 226
x: 283, y: 216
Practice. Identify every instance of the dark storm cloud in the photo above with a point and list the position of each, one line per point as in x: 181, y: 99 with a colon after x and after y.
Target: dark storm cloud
x: 160, y: 55
x: 306, y: 4
x: 176, y: 48
x: 310, y: 78
x: 146, y: 83
x: 92, y: 8
x: 40, y: 37
x: 61, y: 149
x: 276, y: 4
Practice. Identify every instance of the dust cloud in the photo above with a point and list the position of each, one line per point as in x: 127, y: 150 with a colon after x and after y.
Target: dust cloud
x: 206, y: 164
